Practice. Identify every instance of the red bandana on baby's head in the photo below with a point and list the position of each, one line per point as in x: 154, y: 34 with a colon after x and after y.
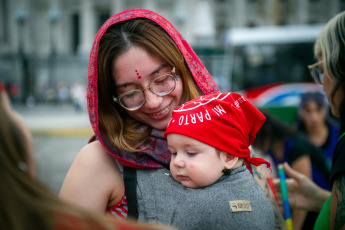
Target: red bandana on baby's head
x: 226, y: 121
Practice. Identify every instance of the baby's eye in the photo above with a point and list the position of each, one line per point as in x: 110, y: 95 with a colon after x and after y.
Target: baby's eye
x: 191, y: 154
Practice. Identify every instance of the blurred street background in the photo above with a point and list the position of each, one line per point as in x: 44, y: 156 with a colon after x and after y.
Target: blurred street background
x: 59, y: 132
x: 245, y: 44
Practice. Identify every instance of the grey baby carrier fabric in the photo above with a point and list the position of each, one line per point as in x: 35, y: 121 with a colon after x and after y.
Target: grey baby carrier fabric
x: 233, y: 202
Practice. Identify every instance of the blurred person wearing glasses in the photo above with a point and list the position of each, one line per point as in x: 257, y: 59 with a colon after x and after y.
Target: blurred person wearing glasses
x: 329, y: 71
x: 140, y: 70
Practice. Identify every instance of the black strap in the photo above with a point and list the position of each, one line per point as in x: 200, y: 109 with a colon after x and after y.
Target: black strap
x: 130, y: 180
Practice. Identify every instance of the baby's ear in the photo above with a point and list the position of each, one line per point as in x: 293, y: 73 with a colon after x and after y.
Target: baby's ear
x: 228, y: 159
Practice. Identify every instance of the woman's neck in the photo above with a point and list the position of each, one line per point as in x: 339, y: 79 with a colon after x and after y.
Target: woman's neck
x: 319, y: 135
x: 277, y: 149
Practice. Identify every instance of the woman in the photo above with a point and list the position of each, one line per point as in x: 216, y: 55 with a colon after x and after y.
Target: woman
x: 328, y: 71
x: 24, y: 203
x: 140, y: 69
x: 284, y: 144
x: 321, y: 129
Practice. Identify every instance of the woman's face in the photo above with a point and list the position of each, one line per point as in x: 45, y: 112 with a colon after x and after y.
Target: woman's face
x: 135, y: 69
x: 313, y: 115
x: 328, y: 85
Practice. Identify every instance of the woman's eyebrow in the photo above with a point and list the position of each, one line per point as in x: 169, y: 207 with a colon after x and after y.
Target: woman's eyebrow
x: 123, y: 85
x: 152, y: 73
x: 158, y: 69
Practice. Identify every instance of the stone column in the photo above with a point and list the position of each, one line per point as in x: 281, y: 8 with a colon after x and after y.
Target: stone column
x: 53, y: 17
x: 302, y: 12
x: 150, y: 5
x: 204, y: 26
x: 188, y: 32
x: 239, y: 17
x: 334, y: 7
x: 180, y: 16
x: 88, y: 30
x: 116, y: 6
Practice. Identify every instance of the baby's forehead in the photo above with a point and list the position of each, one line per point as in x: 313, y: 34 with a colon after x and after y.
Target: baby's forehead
x: 181, y: 140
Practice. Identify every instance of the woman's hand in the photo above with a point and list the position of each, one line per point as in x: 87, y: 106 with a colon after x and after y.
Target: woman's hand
x: 303, y: 192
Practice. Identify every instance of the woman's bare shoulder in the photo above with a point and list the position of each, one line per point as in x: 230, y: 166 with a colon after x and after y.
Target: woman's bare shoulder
x: 94, y: 180
x: 93, y: 153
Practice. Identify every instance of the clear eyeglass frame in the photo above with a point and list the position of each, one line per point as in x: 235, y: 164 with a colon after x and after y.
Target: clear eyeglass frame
x: 316, y: 73
x: 172, y: 74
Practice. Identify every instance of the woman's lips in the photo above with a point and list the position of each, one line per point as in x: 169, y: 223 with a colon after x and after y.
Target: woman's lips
x: 161, y: 114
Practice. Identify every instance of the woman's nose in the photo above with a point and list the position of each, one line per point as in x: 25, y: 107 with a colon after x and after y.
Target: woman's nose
x: 152, y: 100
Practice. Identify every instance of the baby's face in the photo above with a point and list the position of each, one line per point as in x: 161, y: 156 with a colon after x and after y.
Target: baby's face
x: 193, y: 163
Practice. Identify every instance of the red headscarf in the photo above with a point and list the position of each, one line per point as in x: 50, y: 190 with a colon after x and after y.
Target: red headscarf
x: 157, y: 152
x: 226, y: 121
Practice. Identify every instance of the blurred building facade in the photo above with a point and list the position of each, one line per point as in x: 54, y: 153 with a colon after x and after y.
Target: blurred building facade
x: 46, y: 42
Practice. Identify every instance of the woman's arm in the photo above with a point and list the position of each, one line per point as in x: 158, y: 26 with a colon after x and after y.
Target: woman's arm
x: 260, y: 175
x: 337, y: 219
x: 94, y: 180
x: 302, y: 165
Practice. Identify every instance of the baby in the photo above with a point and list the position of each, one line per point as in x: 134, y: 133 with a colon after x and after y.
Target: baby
x: 211, y: 135
x: 209, y: 138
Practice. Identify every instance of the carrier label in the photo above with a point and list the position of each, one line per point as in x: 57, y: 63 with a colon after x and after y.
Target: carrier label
x: 240, y: 206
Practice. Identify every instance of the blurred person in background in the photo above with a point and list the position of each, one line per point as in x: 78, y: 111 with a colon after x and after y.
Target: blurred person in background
x: 321, y: 129
x: 283, y: 143
x: 24, y: 203
x: 12, y: 91
x: 328, y: 71
x: 78, y: 96
x: 63, y: 92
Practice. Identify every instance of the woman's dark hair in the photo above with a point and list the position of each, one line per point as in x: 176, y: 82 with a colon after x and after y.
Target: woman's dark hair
x: 272, y: 130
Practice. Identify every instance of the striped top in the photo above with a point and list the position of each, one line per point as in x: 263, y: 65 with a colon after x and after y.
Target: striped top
x: 119, y: 210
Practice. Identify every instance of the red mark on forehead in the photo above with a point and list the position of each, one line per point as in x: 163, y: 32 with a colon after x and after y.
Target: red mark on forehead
x: 139, y: 77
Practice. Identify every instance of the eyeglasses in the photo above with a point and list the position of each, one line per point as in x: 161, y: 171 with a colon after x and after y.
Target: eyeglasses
x: 316, y: 73
x: 161, y: 86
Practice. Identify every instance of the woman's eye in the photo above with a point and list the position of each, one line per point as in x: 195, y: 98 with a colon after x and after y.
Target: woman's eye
x: 131, y: 94
x: 163, y: 80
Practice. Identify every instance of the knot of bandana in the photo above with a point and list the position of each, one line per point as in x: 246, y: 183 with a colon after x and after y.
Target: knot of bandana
x: 257, y: 161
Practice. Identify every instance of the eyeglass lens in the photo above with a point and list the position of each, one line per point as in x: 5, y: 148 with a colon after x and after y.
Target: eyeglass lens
x: 160, y: 86
x: 317, y: 75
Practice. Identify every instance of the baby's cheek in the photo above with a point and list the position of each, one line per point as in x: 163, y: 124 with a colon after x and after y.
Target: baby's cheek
x: 192, y: 166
